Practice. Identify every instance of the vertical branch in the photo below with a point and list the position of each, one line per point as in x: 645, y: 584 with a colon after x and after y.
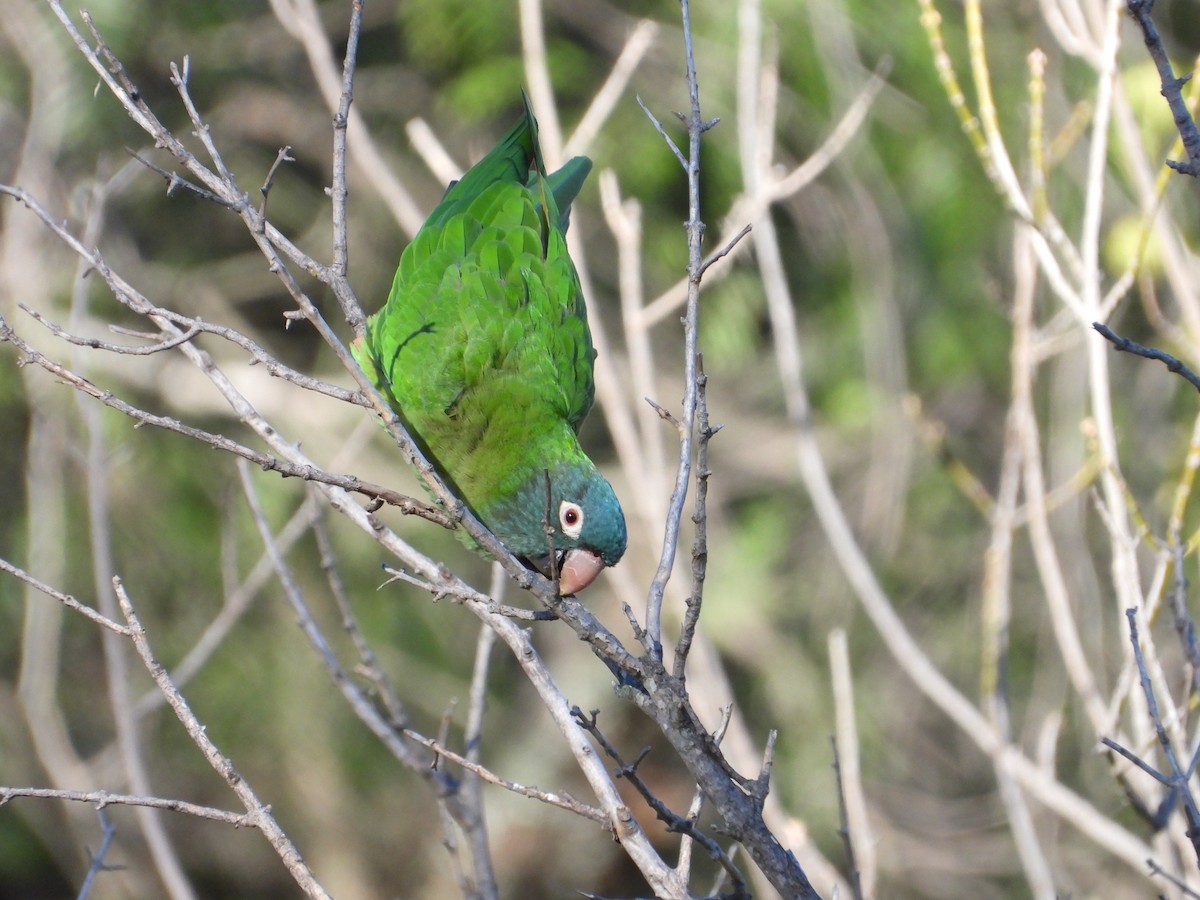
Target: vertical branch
x: 37, y: 679
x: 472, y: 794
x: 1002, y: 164
x: 98, y: 865
x: 133, y: 762
x: 1124, y: 562
x: 624, y: 218
x: 1181, y: 617
x: 860, y: 843
x: 537, y: 73
x: 695, y: 600
x: 301, y: 19
x: 338, y: 192
x: 996, y: 610
x: 696, y: 126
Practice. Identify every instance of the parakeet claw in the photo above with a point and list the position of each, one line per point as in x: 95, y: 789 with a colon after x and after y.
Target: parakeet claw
x: 579, y: 569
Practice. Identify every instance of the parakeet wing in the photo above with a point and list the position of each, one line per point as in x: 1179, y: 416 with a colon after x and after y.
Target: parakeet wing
x: 486, y: 318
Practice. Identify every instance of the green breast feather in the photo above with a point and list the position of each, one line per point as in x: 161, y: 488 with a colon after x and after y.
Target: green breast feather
x: 483, y: 350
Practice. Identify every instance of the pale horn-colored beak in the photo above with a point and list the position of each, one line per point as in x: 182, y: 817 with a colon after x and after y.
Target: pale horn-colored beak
x: 579, y: 569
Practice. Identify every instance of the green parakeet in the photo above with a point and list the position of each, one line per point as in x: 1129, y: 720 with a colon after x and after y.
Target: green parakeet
x: 483, y: 350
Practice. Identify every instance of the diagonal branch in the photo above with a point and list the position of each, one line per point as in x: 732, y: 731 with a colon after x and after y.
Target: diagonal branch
x: 265, y: 461
x: 1172, y: 88
x: 1173, y: 364
x: 259, y: 813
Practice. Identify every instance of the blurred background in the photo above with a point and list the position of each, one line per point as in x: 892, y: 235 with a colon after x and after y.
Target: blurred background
x: 901, y: 265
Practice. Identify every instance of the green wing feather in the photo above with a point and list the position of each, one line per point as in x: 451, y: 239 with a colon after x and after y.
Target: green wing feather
x: 483, y: 346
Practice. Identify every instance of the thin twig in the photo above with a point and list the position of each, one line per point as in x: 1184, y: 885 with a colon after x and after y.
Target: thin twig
x: 351, y: 483
x: 168, y: 344
x: 339, y: 192
x: 102, y: 799
x: 260, y: 813
x: 696, y: 126
x: 1126, y: 345
x: 65, y: 599
x: 1156, y: 869
x: 473, y: 819
x: 673, y: 821
x: 551, y: 798
x: 174, y: 180
x: 1185, y: 625
x: 858, y: 839
x: 1172, y: 88
x: 1137, y: 761
x: 693, y: 815
x: 695, y: 600
x: 727, y: 249
x: 1178, y: 778
x: 284, y: 155
x: 464, y: 594
x: 368, y: 665
x: 98, y: 865
x: 662, y: 132
x: 844, y: 824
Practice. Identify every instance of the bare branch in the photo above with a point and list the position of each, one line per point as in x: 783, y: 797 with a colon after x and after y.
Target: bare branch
x: 726, y: 250
x: 561, y: 800
x: 855, y: 825
x: 1172, y: 88
x: 673, y: 821
x: 663, y: 134
x: 695, y: 233
x: 691, y: 616
x: 284, y: 155
x: 1179, y: 884
x: 98, y: 864
x: 260, y: 814
x: 302, y: 20
x: 1179, y: 777
x: 101, y: 799
x: 473, y: 820
x: 1185, y: 625
x: 168, y: 344
x: 1125, y: 344
x: 265, y: 461
x: 175, y: 180
x: 639, y: 42
x: 65, y: 599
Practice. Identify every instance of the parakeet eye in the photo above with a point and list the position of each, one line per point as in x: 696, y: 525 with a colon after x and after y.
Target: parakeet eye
x: 570, y: 518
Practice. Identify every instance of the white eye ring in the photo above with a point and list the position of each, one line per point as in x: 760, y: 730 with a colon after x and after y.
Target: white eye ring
x: 570, y: 518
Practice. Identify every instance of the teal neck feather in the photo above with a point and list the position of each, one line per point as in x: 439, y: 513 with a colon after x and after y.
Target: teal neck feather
x: 520, y: 518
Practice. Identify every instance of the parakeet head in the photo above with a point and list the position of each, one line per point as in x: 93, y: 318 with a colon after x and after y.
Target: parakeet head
x: 583, y: 511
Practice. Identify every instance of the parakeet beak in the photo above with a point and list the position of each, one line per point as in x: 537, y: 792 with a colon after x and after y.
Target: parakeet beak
x: 579, y: 569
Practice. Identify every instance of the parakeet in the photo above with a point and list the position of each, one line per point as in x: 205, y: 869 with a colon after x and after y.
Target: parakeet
x: 483, y: 350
